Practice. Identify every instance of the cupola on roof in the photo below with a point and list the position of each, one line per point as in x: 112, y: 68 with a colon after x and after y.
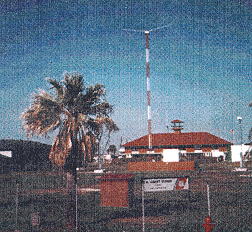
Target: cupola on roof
x: 177, y: 126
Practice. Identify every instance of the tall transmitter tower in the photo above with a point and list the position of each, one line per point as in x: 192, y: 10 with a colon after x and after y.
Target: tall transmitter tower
x: 148, y: 88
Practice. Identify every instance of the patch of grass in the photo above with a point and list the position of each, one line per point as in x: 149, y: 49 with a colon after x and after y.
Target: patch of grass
x: 230, y: 199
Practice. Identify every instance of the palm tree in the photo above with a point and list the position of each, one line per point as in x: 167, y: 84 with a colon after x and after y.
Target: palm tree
x: 75, y: 112
x: 103, y: 128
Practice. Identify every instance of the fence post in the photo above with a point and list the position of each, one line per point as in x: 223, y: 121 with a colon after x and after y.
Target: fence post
x: 208, y: 201
x: 16, y: 207
x: 143, y: 209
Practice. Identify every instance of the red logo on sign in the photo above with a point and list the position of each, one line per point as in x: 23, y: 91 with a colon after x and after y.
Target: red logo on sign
x: 181, y: 183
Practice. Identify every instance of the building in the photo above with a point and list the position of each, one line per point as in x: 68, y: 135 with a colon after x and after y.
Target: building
x: 241, y: 152
x: 178, y: 146
x: 22, y: 155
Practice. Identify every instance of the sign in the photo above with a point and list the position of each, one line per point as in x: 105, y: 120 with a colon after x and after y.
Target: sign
x: 159, y: 185
x: 165, y: 184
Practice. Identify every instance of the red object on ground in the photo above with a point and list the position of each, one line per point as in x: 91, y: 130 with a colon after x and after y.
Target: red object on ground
x: 208, y: 224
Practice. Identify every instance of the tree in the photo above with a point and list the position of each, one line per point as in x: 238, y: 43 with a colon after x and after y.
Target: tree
x: 228, y: 154
x: 112, y: 149
x: 103, y: 129
x: 75, y: 112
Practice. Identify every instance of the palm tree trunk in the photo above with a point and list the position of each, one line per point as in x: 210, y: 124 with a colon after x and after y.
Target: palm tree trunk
x: 71, y: 182
x: 70, y: 214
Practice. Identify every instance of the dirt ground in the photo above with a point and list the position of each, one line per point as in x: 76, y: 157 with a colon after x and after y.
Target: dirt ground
x: 230, y: 201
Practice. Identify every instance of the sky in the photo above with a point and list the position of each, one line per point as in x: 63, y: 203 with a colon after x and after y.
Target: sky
x: 200, y: 62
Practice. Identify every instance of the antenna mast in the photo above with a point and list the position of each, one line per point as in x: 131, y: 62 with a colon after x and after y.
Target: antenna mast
x: 147, y: 52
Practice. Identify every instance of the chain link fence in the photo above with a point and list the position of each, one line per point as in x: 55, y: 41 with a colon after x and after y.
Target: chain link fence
x: 36, y: 201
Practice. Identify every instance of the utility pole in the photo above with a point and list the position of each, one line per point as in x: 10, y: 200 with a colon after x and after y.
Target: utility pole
x: 241, y: 139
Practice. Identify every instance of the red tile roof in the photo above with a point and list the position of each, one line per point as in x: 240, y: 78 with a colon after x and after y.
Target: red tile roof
x: 181, y: 139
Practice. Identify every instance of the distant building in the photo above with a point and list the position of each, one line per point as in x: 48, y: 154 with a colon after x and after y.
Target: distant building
x: 178, y: 146
x: 239, y: 152
x: 22, y: 155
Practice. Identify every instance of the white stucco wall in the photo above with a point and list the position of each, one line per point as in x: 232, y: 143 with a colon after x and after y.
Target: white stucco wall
x: 213, y: 153
x: 217, y: 153
x: 122, y: 149
x: 195, y: 151
x: 236, y: 150
x: 170, y: 155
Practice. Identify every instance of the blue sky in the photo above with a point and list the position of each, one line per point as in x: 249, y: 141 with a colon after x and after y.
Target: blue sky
x: 201, y: 66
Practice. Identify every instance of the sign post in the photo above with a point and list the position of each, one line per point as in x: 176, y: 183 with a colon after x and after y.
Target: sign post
x: 208, y: 224
x: 160, y: 185
x: 76, y: 207
x: 208, y: 201
x: 16, y: 208
x: 143, y: 217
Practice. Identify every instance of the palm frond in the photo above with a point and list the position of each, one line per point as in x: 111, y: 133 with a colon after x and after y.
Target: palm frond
x: 58, y: 87
x: 100, y: 124
x: 104, y: 109
x: 96, y: 92
x: 73, y: 88
x: 250, y: 135
x: 42, y: 116
x: 88, y: 143
x: 108, y: 123
x: 60, y: 150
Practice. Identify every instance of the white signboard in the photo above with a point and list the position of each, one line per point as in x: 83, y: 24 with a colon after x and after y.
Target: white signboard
x: 165, y: 184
